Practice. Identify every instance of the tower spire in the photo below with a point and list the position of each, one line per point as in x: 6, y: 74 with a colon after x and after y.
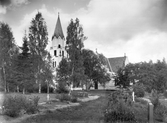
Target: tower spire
x: 58, y: 29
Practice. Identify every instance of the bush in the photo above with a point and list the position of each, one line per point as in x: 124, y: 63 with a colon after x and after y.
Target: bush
x: 119, y: 108
x: 74, y: 99
x: 62, y: 88
x: 79, y: 94
x: 66, y: 97
x: 139, y: 90
x: 63, y: 97
x: 165, y: 94
x: 159, y: 112
x: 18, y: 105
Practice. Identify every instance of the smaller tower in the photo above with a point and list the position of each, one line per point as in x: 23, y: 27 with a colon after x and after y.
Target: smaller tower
x: 58, y: 44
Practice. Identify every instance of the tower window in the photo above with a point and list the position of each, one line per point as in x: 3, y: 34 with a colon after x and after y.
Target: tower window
x: 55, y: 63
x: 55, y: 53
x: 60, y: 53
x: 59, y: 46
x: 63, y: 53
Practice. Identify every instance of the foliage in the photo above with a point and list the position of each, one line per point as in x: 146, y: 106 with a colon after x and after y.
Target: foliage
x: 139, y: 90
x: 152, y: 75
x: 7, y: 50
x: 122, y: 79
x: 63, y: 76
x: 63, y: 97
x: 160, y: 111
x: 75, y: 38
x: 119, y: 107
x: 95, y: 69
x: 22, y: 67
x: 79, y: 94
x: 18, y: 105
x: 165, y: 94
x: 38, y: 40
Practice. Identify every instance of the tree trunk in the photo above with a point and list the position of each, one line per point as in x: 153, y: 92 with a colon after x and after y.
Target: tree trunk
x: 4, y: 78
x: 39, y: 91
x: 23, y: 90
x: 48, y: 98
x: 17, y: 89
x: 96, y: 85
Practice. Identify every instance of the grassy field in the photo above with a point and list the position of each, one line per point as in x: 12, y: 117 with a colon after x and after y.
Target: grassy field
x: 89, y: 112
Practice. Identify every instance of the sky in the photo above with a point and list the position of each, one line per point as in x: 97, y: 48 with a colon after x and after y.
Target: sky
x: 137, y: 28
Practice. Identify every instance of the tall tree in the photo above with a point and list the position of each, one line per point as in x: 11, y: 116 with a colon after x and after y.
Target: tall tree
x: 75, y: 38
x: 23, y: 69
x: 7, y: 46
x: 38, y: 40
x: 95, y: 69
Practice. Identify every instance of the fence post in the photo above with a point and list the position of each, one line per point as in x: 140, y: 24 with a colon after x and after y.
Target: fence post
x: 150, y: 112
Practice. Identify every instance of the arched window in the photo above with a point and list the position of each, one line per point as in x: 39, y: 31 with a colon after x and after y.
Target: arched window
x: 59, y: 46
x: 55, y: 53
x: 55, y: 63
x: 60, y: 53
x: 63, y: 53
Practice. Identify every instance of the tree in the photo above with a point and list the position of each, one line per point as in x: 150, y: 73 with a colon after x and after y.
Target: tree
x: 63, y: 74
x: 75, y: 38
x: 22, y: 67
x: 7, y: 45
x: 95, y: 68
x: 38, y: 40
x: 151, y: 75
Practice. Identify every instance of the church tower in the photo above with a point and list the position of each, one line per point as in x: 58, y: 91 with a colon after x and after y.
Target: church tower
x: 58, y: 44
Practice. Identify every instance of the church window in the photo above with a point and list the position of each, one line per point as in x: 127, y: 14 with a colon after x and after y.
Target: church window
x: 63, y: 53
x: 60, y: 53
x: 55, y: 63
x: 59, y: 46
x: 55, y: 53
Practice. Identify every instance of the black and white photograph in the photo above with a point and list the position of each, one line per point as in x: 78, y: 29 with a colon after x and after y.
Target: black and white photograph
x: 83, y: 61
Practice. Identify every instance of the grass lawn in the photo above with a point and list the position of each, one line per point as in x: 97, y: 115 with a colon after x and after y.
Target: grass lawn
x: 88, y: 112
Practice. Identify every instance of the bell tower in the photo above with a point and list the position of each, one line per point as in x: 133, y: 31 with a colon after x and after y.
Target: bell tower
x: 58, y: 44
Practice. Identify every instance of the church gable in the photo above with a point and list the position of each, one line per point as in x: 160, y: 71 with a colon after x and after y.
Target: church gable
x: 114, y: 64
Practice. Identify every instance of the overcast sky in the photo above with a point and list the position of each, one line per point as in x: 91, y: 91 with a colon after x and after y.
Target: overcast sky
x: 135, y: 27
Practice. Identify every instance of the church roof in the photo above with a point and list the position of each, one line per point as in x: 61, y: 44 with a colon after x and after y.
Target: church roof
x: 58, y: 29
x: 115, y: 63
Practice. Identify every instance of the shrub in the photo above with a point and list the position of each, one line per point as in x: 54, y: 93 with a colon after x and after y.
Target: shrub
x: 63, y: 97
x: 159, y: 112
x: 79, y: 94
x: 165, y: 94
x: 119, y: 108
x: 62, y: 88
x: 74, y: 99
x: 66, y: 97
x: 18, y: 105
x: 139, y: 90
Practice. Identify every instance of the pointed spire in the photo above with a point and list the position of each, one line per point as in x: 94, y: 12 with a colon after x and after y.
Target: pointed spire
x: 58, y: 29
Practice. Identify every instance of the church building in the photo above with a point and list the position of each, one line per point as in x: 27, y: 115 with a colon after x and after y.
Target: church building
x: 57, y: 49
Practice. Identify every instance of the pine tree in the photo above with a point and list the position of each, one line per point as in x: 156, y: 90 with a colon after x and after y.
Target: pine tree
x: 23, y: 69
x: 75, y: 38
x: 38, y: 40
